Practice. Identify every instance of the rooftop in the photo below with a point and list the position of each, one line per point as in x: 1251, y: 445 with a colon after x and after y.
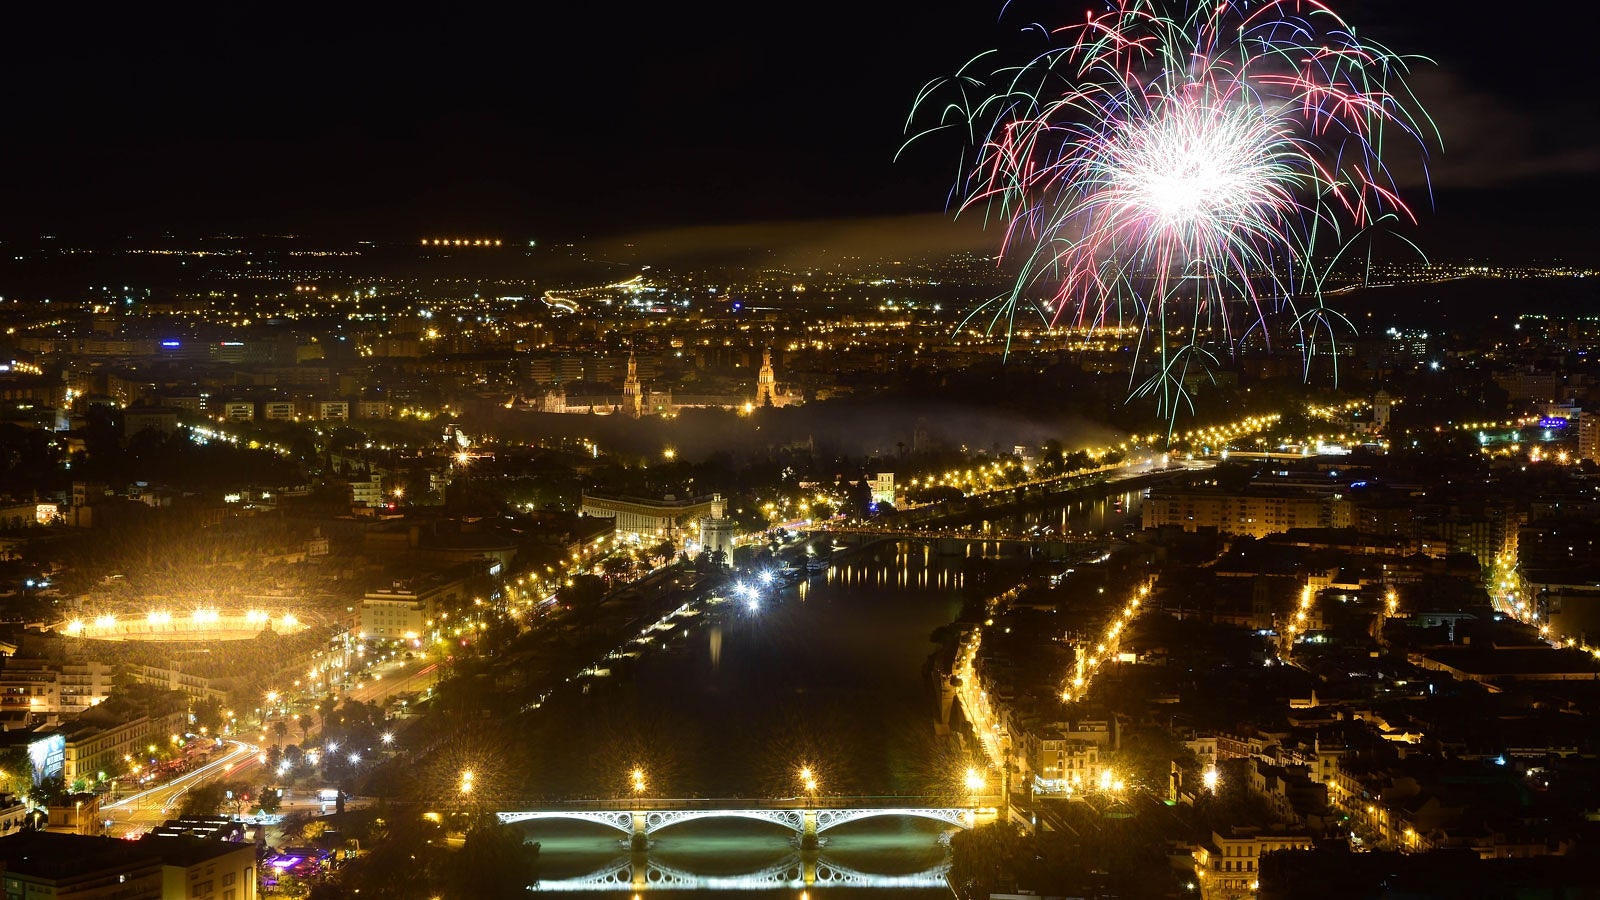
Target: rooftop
x: 183, y: 850
x: 1486, y: 661
x: 44, y: 854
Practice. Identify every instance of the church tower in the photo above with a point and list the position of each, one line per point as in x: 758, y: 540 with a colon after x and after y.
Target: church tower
x: 766, y: 382
x: 1382, y: 406
x: 632, y: 396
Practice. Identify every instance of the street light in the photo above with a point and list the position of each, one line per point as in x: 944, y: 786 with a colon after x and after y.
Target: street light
x: 974, y: 781
x: 637, y: 780
x: 1209, y: 778
x: 808, y: 781
x: 466, y: 781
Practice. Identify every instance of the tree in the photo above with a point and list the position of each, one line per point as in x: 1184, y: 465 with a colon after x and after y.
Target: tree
x: 291, y: 885
x: 294, y: 825
x: 469, y: 496
x: 493, y: 861
x: 268, y: 799
x: 980, y: 859
x: 860, y: 499
x: 314, y: 829
x: 208, y: 715
x: 584, y: 591
x: 404, y: 860
x: 16, y: 771
x: 325, y: 709
x: 204, y: 800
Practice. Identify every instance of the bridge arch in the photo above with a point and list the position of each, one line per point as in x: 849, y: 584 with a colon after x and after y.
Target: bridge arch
x: 621, y: 821
x: 657, y: 820
x: 960, y: 818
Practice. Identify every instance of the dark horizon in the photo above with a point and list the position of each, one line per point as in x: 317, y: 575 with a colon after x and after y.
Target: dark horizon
x: 609, y: 120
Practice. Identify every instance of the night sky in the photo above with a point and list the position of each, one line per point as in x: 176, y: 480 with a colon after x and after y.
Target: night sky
x: 582, y: 119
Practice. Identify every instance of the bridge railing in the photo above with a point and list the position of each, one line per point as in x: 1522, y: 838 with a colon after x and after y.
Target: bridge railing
x: 824, y: 801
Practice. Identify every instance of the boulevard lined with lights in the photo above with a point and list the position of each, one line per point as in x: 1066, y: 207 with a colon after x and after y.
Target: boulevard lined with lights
x: 1506, y: 589
x: 1089, y: 663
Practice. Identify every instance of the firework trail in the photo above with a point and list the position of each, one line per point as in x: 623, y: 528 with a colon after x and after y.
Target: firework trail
x: 1192, y: 177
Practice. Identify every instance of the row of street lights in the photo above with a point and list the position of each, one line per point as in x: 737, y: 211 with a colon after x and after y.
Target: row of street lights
x: 1088, y: 661
x: 638, y: 782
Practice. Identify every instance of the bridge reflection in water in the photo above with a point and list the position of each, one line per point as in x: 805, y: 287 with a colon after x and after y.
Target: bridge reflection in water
x: 798, y: 870
x: 803, y: 864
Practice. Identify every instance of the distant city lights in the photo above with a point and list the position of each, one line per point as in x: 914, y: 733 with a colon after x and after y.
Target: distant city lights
x: 461, y: 242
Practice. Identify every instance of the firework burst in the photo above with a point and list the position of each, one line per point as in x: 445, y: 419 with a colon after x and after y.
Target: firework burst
x: 1195, y: 176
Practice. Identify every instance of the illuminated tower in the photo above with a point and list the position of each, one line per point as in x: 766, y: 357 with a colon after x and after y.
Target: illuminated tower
x: 766, y: 382
x: 1382, y: 405
x: 632, y: 396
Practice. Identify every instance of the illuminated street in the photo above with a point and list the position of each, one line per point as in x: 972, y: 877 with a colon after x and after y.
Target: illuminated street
x: 412, y: 676
x: 141, y: 811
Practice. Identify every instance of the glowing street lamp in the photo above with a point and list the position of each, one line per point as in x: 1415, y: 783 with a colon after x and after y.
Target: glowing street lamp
x: 808, y: 781
x: 974, y: 781
x: 466, y: 782
x: 1209, y: 778
x: 636, y: 779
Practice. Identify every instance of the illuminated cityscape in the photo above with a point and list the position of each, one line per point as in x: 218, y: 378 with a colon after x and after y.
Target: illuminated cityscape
x: 588, y: 452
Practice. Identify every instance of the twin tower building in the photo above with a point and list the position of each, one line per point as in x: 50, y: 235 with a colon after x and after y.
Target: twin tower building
x: 636, y: 403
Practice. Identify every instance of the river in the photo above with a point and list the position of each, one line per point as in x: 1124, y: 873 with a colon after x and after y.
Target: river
x: 829, y: 674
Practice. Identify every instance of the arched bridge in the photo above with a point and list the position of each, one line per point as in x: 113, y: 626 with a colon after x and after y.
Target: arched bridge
x: 646, y: 818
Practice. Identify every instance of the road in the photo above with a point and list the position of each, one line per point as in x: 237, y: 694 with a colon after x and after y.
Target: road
x: 140, y: 812
x: 414, y: 675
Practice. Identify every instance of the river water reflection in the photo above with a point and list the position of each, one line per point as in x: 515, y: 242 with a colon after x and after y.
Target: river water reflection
x: 830, y: 673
